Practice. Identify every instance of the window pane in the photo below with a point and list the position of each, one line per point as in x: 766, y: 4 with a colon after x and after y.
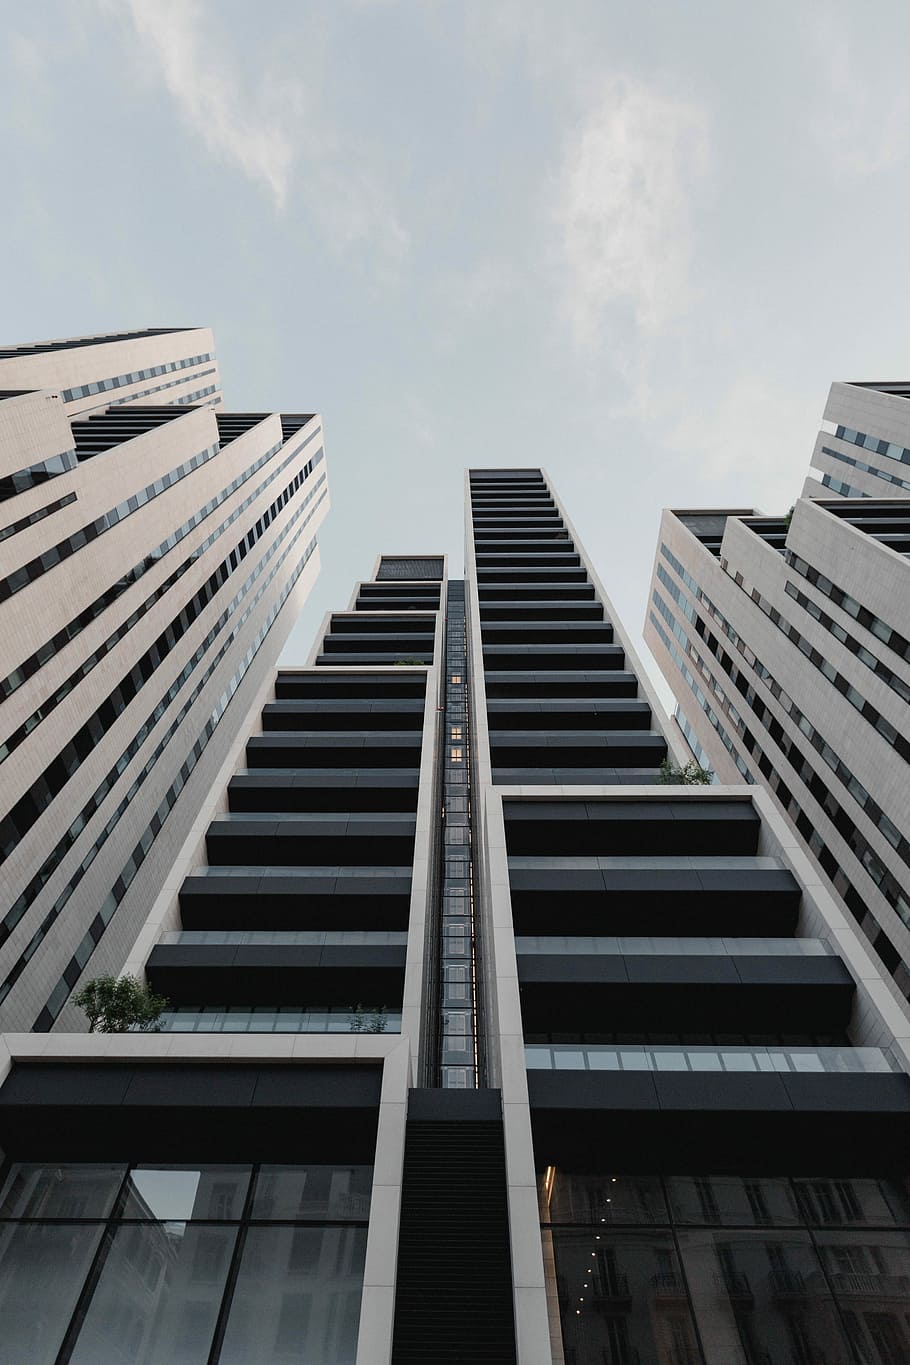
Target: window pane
x: 622, y: 1298
x: 59, y: 1191
x: 182, y: 1192
x: 297, y: 1192
x: 157, y: 1300
x: 297, y: 1297
x: 732, y: 1199
x: 42, y: 1270
x: 763, y: 1297
x: 578, y: 1197
x: 858, y: 1201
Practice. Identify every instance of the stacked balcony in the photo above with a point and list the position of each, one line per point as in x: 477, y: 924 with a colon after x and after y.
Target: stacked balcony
x: 562, y: 705
x: 299, y: 920
x: 663, y: 985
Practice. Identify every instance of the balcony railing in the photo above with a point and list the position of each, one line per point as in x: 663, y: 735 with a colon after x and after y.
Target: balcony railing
x: 281, y: 1019
x: 792, y: 1060
x: 553, y: 945
x: 260, y: 938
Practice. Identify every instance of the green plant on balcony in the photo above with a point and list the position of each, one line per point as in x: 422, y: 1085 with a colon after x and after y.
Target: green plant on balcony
x: 368, y: 1018
x: 684, y: 775
x: 120, y: 1005
x: 401, y: 663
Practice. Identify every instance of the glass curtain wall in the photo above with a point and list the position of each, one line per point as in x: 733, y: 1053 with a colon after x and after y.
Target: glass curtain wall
x: 727, y: 1270
x: 181, y: 1265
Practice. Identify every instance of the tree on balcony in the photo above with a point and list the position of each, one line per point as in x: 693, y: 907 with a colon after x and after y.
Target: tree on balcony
x: 685, y: 775
x: 120, y: 1005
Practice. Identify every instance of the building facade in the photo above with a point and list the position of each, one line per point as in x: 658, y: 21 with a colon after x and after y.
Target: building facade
x: 482, y: 1044
x: 154, y: 551
x: 786, y: 642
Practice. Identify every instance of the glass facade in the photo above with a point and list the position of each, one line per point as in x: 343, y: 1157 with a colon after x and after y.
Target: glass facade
x: 729, y: 1270
x: 181, y: 1265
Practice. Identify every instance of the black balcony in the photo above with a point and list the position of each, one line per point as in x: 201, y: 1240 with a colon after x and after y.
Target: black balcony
x: 554, y: 716
x: 280, y: 790
x: 719, y: 1122
x: 558, y: 609
x: 519, y: 633
x: 197, y: 974
x: 297, y: 898
x: 689, y: 827
x: 335, y: 749
x: 563, y: 683
x: 651, y: 899
x: 614, y: 993
x: 372, y: 686
x: 354, y: 713
x: 569, y: 749
x: 574, y: 657
x: 361, y: 838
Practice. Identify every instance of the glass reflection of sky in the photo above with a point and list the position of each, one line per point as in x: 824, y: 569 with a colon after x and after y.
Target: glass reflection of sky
x: 162, y: 1194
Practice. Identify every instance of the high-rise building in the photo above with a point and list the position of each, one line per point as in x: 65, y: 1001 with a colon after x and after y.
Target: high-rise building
x: 786, y: 642
x: 154, y: 551
x: 482, y: 1043
x: 863, y: 447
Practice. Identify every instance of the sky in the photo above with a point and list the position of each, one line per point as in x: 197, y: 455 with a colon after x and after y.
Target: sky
x: 631, y: 242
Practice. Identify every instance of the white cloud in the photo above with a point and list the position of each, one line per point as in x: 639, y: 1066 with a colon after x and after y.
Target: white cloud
x: 753, y: 442
x: 862, y: 122
x: 211, y: 95
x: 269, y: 127
x: 623, y: 206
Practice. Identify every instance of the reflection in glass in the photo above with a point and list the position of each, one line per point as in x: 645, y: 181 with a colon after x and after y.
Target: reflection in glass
x: 307, y: 1192
x: 858, y: 1201
x: 297, y: 1297
x: 732, y: 1200
x: 579, y: 1197
x: 761, y: 1297
x: 42, y: 1269
x: 178, y: 1193
x: 59, y: 1191
x: 869, y: 1273
x: 623, y: 1299
x: 157, y: 1300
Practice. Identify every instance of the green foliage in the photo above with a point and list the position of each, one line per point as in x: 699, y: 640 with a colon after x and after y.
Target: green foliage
x: 789, y: 517
x: 368, y: 1018
x: 401, y: 663
x: 117, y: 1005
x: 689, y: 775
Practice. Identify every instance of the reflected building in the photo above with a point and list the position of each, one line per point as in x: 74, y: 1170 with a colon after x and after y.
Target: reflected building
x: 483, y: 1042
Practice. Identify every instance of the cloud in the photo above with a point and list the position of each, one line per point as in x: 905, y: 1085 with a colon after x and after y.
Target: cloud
x: 863, y: 123
x: 623, y: 211
x: 269, y: 129
x: 210, y: 94
x: 752, y: 441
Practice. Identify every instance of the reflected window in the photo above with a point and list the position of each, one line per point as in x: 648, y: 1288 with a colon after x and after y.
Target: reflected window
x: 759, y: 1296
x: 312, y: 1278
x: 182, y: 1192
x: 158, y: 1296
x: 59, y: 1191
x: 305, y: 1192
x: 42, y: 1270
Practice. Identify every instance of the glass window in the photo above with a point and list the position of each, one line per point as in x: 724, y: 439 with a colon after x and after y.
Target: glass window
x: 732, y: 1200
x: 59, y: 1191
x: 158, y: 1296
x: 858, y: 1201
x: 304, y: 1192
x: 182, y: 1192
x: 42, y: 1269
x: 582, y: 1197
x: 623, y: 1298
x: 762, y: 1297
x: 297, y: 1297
